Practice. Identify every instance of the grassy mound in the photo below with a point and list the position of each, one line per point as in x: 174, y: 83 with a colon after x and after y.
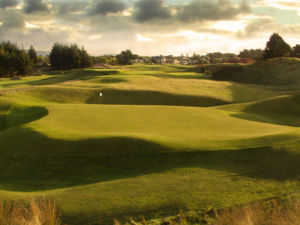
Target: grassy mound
x: 69, y: 95
x: 280, y: 71
x: 14, y: 115
x: 283, y: 110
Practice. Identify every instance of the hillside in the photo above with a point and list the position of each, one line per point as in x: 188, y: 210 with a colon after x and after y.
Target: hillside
x: 160, y: 139
x: 276, y: 72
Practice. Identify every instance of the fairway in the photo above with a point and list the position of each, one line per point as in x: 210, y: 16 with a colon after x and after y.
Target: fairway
x: 160, y: 139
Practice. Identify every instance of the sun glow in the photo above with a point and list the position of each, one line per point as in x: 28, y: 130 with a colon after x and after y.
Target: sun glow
x: 140, y: 38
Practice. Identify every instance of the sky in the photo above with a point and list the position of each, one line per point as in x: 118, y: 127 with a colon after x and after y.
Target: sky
x: 149, y: 27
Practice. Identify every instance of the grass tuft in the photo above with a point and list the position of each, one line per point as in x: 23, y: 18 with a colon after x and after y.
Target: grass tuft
x: 37, y: 212
x: 274, y: 213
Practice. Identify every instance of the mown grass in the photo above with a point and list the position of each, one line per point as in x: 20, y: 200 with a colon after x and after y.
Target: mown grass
x: 160, y: 139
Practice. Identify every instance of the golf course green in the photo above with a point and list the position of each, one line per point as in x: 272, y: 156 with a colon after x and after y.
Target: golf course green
x: 157, y: 140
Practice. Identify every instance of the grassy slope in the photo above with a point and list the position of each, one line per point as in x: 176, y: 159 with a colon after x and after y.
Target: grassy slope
x: 279, y: 72
x: 127, y: 158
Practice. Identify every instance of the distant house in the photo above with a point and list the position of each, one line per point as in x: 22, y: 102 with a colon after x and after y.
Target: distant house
x: 205, y: 59
x: 172, y: 60
x: 147, y: 60
x: 195, y: 61
x: 185, y: 61
x: 176, y: 61
x: 159, y: 59
x: 137, y: 61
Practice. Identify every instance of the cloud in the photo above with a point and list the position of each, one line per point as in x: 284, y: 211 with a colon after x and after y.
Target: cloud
x: 265, y: 26
x: 207, y: 10
x: 12, y: 20
x: 8, y: 3
x: 146, y: 10
x: 140, y: 38
x: 258, y: 26
x: 34, y: 6
x: 104, y: 7
x: 293, y: 5
x: 67, y: 8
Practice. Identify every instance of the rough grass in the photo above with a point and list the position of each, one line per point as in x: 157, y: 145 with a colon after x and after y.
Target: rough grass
x: 270, y: 212
x: 37, y: 212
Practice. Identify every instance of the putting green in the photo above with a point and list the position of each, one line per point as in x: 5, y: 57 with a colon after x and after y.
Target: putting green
x: 178, y: 127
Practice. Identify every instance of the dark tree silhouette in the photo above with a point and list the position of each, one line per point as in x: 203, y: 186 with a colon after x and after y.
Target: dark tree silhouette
x: 68, y: 57
x: 125, y: 58
x: 32, y: 54
x: 296, y: 51
x: 276, y: 47
x: 13, y: 60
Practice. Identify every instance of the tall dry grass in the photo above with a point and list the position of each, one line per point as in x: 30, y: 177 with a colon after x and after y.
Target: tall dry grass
x: 37, y: 212
x: 276, y: 212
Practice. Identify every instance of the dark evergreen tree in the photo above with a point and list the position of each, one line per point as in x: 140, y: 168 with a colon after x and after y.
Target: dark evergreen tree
x: 68, y: 57
x: 23, y: 62
x: 256, y: 54
x: 32, y: 54
x: 296, y: 51
x: 86, y: 60
x: 125, y: 58
x: 13, y: 60
x: 276, y: 47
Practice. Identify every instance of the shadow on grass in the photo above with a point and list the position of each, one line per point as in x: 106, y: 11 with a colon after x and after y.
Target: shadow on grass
x: 283, y: 110
x: 270, y: 118
x: 31, y: 161
x: 183, y: 76
x: 63, y: 76
x: 112, y: 80
x: 16, y: 116
x: 126, y: 97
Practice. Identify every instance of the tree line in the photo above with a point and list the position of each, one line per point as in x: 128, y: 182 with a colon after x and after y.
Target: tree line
x: 275, y: 47
x: 13, y: 60
x: 66, y: 57
x: 17, y: 61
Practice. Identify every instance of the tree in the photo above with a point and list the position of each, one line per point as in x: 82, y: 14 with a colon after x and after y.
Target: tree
x: 255, y: 54
x: 296, y: 51
x: 13, y: 60
x: 23, y: 63
x: 125, y: 58
x: 32, y: 54
x: 276, y: 47
x: 86, y: 60
x: 65, y: 57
